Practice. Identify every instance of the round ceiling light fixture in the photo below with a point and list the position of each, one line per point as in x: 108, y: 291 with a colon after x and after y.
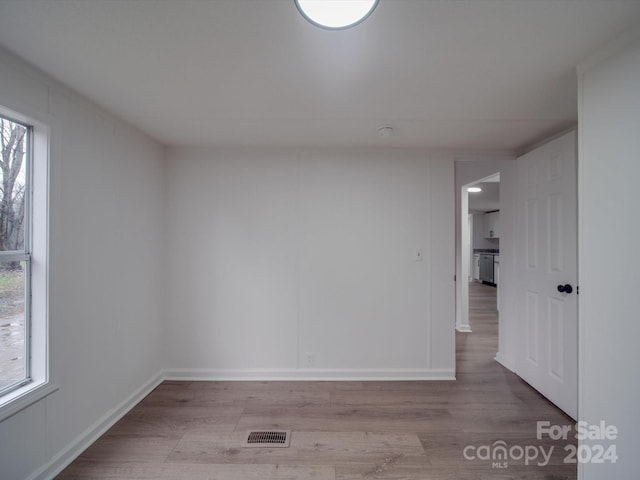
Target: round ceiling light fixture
x: 474, y: 189
x: 385, y: 131
x: 336, y: 14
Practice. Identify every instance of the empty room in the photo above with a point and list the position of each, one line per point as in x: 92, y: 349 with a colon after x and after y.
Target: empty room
x: 319, y: 239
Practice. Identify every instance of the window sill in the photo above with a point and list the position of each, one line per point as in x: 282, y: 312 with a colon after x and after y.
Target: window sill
x: 23, y: 397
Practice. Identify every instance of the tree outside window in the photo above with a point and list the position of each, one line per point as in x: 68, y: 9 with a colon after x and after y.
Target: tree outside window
x: 14, y: 255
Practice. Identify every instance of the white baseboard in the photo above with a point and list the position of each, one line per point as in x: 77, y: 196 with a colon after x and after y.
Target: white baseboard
x: 463, y: 328
x: 309, y: 374
x: 505, y: 362
x: 62, y: 459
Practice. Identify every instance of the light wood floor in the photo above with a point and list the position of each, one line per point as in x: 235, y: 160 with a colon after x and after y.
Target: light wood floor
x: 340, y: 430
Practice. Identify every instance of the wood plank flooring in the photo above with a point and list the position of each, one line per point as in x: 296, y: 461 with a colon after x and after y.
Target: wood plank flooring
x: 340, y: 430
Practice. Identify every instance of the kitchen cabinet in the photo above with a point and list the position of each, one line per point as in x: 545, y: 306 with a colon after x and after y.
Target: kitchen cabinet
x: 492, y: 224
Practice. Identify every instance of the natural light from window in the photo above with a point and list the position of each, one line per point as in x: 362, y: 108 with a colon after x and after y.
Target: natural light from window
x: 14, y: 255
x: 24, y: 221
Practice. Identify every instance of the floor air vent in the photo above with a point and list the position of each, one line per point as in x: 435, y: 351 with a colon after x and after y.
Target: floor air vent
x: 267, y: 438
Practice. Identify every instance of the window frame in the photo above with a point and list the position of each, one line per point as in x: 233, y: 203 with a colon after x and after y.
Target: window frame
x: 36, y: 233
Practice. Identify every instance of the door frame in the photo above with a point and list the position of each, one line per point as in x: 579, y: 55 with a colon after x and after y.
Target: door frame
x: 462, y: 298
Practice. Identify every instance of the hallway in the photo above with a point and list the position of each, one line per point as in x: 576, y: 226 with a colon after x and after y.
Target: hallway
x: 475, y: 351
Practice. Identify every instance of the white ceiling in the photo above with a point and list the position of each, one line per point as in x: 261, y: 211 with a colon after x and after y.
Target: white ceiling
x: 488, y: 199
x: 462, y: 74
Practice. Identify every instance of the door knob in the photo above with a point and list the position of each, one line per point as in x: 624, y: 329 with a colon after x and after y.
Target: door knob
x: 565, y: 288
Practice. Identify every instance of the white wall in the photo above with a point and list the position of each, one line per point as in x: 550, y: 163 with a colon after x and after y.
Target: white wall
x: 279, y: 253
x: 609, y: 169
x: 105, y: 272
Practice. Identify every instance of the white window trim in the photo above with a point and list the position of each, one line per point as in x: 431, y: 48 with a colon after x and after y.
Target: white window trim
x: 19, y: 399
x: 39, y: 386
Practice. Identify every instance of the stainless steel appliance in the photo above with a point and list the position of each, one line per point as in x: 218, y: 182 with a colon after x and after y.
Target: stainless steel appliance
x: 486, y: 268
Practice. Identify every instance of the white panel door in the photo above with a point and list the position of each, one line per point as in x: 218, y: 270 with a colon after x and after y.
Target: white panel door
x: 546, y: 253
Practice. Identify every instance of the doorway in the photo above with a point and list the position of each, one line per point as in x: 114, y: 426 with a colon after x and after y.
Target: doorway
x: 480, y: 238
x: 537, y: 247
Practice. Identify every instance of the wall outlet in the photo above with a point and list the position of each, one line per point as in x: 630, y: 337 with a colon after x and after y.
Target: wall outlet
x: 309, y: 359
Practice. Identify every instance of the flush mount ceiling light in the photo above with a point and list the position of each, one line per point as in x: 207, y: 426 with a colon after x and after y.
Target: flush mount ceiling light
x: 474, y: 189
x: 385, y: 131
x: 335, y: 14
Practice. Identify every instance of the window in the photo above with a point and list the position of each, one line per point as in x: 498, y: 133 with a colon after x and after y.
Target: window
x: 15, y: 255
x: 24, y: 160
